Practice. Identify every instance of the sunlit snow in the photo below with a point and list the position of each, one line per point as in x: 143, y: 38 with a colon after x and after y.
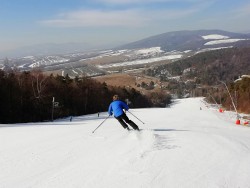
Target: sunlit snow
x: 188, y: 145
x: 142, y: 61
x: 223, y: 41
x: 48, y: 61
x: 149, y: 51
x: 214, y: 36
x: 211, y: 49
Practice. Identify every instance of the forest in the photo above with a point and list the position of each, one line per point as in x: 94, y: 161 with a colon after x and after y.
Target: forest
x: 204, y: 74
x: 31, y: 97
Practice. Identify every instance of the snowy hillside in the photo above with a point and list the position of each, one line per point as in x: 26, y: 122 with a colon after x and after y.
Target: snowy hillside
x: 186, y: 145
x: 166, y: 47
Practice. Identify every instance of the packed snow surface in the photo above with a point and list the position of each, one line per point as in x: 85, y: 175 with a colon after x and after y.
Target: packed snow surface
x: 149, y: 51
x: 224, y: 41
x: 186, y: 145
x: 142, y: 61
x: 211, y: 49
x: 214, y: 36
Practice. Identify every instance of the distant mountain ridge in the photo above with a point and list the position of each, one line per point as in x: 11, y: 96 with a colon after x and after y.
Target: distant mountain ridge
x: 47, y: 49
x: 169, y: 41
x: 188, y: 40
x: 168, y: 47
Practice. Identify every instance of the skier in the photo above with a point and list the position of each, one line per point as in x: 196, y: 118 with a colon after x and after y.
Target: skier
x: 117, y: 107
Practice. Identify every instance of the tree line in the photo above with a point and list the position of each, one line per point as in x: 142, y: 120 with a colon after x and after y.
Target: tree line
x: 240, y: 95
x: 28, y: 96
x: 200, y: 75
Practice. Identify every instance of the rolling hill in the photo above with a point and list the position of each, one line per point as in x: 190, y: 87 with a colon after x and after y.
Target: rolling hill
x: 191, y: 40
x: 166, y: 47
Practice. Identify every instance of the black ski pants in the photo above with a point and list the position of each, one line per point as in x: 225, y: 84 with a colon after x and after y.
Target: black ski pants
x: 124, y: 118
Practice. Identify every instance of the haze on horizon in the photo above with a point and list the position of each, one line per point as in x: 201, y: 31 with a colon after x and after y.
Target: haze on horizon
x: 112, y: 22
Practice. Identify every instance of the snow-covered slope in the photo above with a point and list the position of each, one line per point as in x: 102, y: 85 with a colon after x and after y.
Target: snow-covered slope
x: 180, y: 146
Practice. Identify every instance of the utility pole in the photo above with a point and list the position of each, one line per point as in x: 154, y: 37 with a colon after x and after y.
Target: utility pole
x: 52, y: 112
x: 54, y: 105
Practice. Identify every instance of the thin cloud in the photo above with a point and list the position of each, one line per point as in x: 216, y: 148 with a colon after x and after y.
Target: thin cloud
x: 86, y: 18
x: 144, y: 1
x: 243, y: 11
x: 136, y: 17
x: 120, y: 18
x: 232, y: 19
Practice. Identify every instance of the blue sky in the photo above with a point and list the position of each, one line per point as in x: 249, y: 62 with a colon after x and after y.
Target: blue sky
x: 107, y: 22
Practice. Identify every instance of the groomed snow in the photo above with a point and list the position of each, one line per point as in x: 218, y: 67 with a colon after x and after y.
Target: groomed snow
x: 147, y: 51
x: 224, y: 41
x: 214, y: 36
x: 181, y: 146
x: 211, y: 49
x: 142, y: 61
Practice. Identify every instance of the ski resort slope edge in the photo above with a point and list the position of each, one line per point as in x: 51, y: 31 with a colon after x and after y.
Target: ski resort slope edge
x: 186, y: 145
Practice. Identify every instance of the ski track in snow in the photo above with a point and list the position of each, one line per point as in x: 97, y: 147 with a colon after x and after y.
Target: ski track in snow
x: 180, y: 146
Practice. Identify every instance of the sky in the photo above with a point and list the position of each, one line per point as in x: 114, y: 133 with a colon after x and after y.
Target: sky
x: 181, y: 146
x: 111, y: 22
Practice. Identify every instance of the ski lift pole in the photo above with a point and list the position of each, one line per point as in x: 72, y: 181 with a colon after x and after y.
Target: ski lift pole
x: 213, y: 98
x: 237, y: 114
x: 100, y: 124
x: 136, y: 117
x: 230, y: 97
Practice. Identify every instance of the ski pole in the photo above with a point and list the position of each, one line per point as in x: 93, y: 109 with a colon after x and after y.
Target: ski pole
x: 136, y: 117
x: 100, y: 124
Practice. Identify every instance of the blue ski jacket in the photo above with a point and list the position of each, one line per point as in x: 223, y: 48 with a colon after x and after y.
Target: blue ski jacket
x: 117, y: 107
